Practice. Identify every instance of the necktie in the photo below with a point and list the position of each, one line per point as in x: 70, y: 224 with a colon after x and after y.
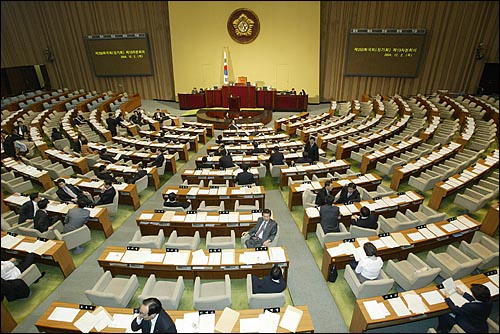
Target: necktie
x: 34, y: 209
x: 69, y: 192
x: 146, y: 326
x: 260, y: 232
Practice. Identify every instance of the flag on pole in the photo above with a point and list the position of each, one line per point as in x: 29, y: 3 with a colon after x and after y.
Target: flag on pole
x: 226, y: 73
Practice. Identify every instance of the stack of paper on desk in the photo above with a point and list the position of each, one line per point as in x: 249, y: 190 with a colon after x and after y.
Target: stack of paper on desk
x: 65, y: 314
x: 9, y: 241
x: 199, y: 258
x: 179, y: 258
x: 291, y: 319
x: 399, y: 307
x: 227, y: 320
x: 228, y: 256
x: 414, y: 302
x: 277, y: 254
x: 376, y: 310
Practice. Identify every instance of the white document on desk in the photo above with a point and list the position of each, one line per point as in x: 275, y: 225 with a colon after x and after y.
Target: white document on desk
x: 466, y: 221
x: 146, y: 216
x: 389, y: 242
x: 399, y: 307
x: 139, y: 256
x: 179, y: 258
x: 199, y: 258
x: 8, y: 241
x: 492, y: 287
x: 426, y: 233
x: 268, y: 322
x: 121, y: 320
x: 114, y: 256
x: 249, y: 325
x: 416, y: 236
x: 291, y: 319
x: 435, y: 230
x: 228, y: 256
x: 433, y: 297
x: 400, y: 239
x: 494, y: 279
x: 415, y: 303
x: 374, y: 310
x: 277, y: 254
x: 65, y: 314
x: 214, y: 259
x: 167, y: 216
x: 86, y: 322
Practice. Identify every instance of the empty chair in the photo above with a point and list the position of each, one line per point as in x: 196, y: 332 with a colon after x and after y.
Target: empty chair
x: 188, y: 242
x: 246, y: 207
x: 275, y: 170
x: 263, y: 300
x: 262, y: 169
x: 169, y: 293
x: 147, y: 241
x: 387, y: 167
x: 426, y: 215
x: 212, y: 295
x: 60, y: 143
x: 223, y: 242
x: 31, y: 231
x: 17, y: 185
x: 60, y: 171
x: 359, y: 232
x: 412, y: 273
x: 481, y: 247
x: 75, y: 239
x: 398, y: 223
x: 381, y: 191
x: 142, y: 183
x: 369, y: 288
x: 332, y: 236
x: 113, y: 292
x: 308, y: 199
x: 453, y: 263
x: 50, y: 194
x: 211, y: 208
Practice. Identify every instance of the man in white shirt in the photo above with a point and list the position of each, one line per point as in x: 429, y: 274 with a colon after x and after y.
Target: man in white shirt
x: 369, y: 267
x: 12, y: 271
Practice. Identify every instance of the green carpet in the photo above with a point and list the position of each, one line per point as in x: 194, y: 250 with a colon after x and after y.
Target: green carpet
x: 191, y: 112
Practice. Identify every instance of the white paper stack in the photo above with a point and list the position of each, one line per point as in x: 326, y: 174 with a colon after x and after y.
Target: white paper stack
x: 291, y: 318
x: 199, y: 258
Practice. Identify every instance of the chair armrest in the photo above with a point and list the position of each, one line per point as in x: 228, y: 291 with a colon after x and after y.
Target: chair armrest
x: 149, y: 286
x: 489, y: 243
x: 458, y: 255
x: 173, y: 237
x: 416, y: 261
x: 137, y: 236
x: 103, y: 282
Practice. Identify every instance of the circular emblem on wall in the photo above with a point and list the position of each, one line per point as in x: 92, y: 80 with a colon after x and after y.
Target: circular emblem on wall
x: 243, y: 26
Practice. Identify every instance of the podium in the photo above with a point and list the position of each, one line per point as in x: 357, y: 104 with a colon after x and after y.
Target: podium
x: 234, y: 106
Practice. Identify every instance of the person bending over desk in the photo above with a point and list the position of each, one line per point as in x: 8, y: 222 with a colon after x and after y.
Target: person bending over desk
x: 272, y: 283
x: 263, y: 232
x: 348, y: 194
x: 368, y: 268
x: 366, y: 220
x: 277, y: 157
x: 172, y: 202
x: 107, y: 196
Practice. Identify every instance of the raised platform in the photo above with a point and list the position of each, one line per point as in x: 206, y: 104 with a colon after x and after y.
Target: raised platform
x: 221, y: 117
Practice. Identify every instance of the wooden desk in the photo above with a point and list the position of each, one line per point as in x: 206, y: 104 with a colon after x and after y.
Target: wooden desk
x: 290, y: 102
x: 191, y: 139
x: 331, y: 126
x: 8, y: 322
x: 99, y: 217
x: 368, y: 182
x: 182, y: 149
x: 236, y: 269
x: 218, y: 224
x: 312, y: 217
x: 415, y: 167
x: 58, y: 255
x: 43, y: 324
x: 191, y: 101
x: 361, y: 320
x: 191, y: 131
x: 280, y: 122
x: 320, y: 169
x: 34, y: 174
x: 291, y: 127
x: 401, y: 252
x: 490, y: 222
x: 78, y: 163
x: 246, y: 149
x: 128, y: 171
x: 207, y: 126
x: 243, y: 194
x: 217, y: 176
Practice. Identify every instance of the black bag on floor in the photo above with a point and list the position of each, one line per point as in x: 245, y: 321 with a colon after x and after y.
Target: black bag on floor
x: 333, y: 274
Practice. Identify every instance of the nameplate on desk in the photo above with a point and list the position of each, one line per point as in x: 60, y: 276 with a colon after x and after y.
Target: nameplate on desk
x: 272, y: 309
x: 440, y: 286
x: 89, y: 205
x: 306, y: 182
x: 191, y: 212
x: 451, y: 219
x: 214, y: 187
x: 359, y: 174
x: 96, y: 180
x: 183, y: 186
x: 385, y: 234
x: 206, y: 312
x: 118, y: 183
x: 334, y: 179
x: 376, y: 198
x: 401, y: 193
x: 421, y: 226
x: 390, y: 296
x: 12, y: 234
x: 42, y: 239
x: 133, y: 265
x: 171, y: 250
x: 256, y: 211
x: 246, y: 266
x: 159, y: 211
x: 223, y: 212
x: 262, y: 248
x: 491, y: 272
x: 132, y: 248
x: 230, y: 267
x: 86, y: 307
x: 215, y: 250
x: 349, y: 202
x: 349, y: 240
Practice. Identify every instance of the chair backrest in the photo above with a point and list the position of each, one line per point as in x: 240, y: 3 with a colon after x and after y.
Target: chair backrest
x: 142, y: 183
x: 359, y: 232
x: 74, y: 238
x: 263, y: 300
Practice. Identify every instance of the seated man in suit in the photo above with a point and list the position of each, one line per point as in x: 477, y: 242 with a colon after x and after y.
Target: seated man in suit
x: 348, y: 194
x: 256, y: 148
x: 366, y: 220
x: 226, y: 161
x: 56, y: 134
x: 329, y: 216
x: 141, y: 172
x: 104, y: 155
x: 263, y: 232
x: 28, y: 209
x: 323, y: 193
x: 76, y: 217
x: 233, y: 125
x: 172, y: 202
x: 108, y: 194
x: 244, y: 177
x: 221, y: 150
x: 104, y: 174
x: 70, y: 193
x: 22, y: 130
x: 42, y: 221
x: 272, y: 283
x: 160, y: 158
x: 277, y: 158
x: 152, y: 318
x: 205, y: 163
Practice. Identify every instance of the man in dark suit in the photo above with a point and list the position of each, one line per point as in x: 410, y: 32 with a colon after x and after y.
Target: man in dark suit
x: 244, y: 177
x: 226, y: 161
x: 104, y: 155
x: 151, y: 313
x: 273, y: 283
x: 160, y: 158
x: 233, y: 125
x: 42, y: 221
x: 312, y: 149
x: 323, y: 193
x: 471, y: 316
x: 77, y: 147
x: 366, y: 220
x: 329, y: 216
x: 28, y: 209
x: 8, y: 143
x: 348, y: 194
x: 141, y: 172
x: 111, y: 122
x: 256, y: 148
x: 205, y: 163
x: 107, y: 196
x: 277, y: 158
x: 22, y: 130
x: 263, y: 232
x: 172, y: 202
x: 70, y: 193
x: 76, y: 217
x: 221, y: 150
x: 104, y: 174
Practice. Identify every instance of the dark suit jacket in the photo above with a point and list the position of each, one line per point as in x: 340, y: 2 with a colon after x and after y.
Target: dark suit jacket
x: 267, y: 285
x: 355, y: 197
x: 269, y: 232
x: 111, y: 122
x: 277, y: 159
x: 321, y: 196
x: 63, y: 196
x: 329, y: 215
x: 471, y: 316
x: 26, y: 211
x: 42, y: 221
x: 75, y: 218
x: 24, y: 129
x: 175, y: 204
x: 370, y: 222
x: 206, y: 165
x: 8, y: 144
x: 244, y: 178
x: 158, y: 162
x: 226, y: 161
x: 14, y: 289
x: 105, y: 176
x: 138, y: 175
x: 107, y: 196
x: 164, y: 324
x: 313, y: 151
x: 77, y: 146
x: 56, y: 136
x: 107, y: 157
x: 258, y: 150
